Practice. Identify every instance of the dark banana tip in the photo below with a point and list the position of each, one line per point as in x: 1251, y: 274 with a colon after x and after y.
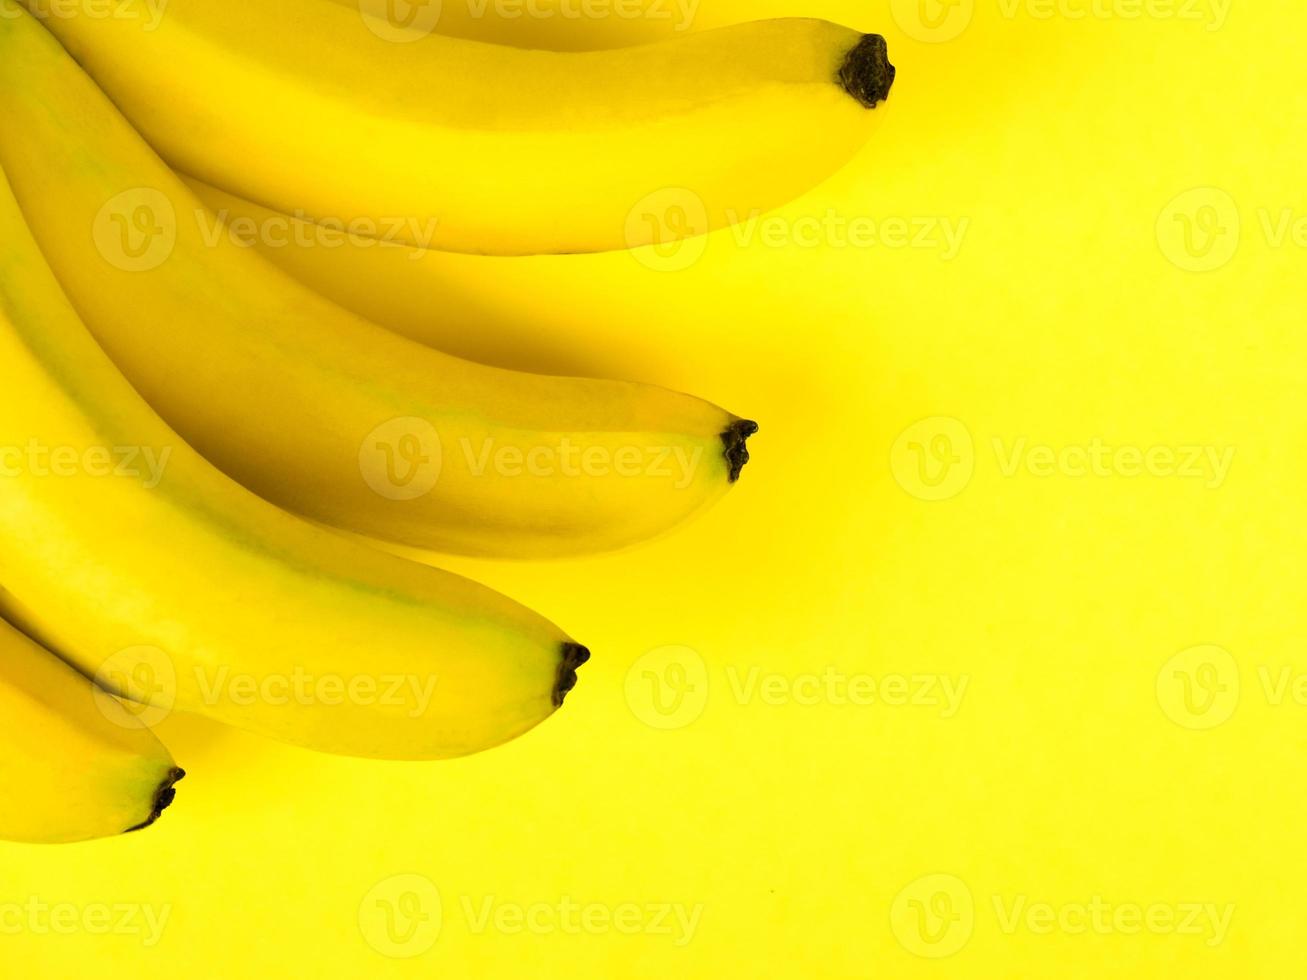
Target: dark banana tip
x: 867, y: 74
x: 163, y: 797
x: 735, y: 439
x: 574, y: 655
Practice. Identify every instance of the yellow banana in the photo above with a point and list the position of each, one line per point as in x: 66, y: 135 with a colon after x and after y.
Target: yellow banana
x: 390, y: 283
x: 463, y: 146
x: 74, y: 762
x: 143, y: 566
x: 309, y: 405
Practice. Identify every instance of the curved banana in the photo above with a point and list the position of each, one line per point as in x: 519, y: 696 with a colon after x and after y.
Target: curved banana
x: 463, y: 146
x: 392, y: 284
x: 74, y: 762
x: 143, y: 566
x: 309, y: 405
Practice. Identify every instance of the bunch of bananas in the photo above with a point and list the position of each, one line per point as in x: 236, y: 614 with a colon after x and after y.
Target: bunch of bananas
x: 159, y: 537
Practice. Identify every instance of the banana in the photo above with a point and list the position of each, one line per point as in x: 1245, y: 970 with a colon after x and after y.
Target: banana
x: 389, y: 283
x: 135, y: 560
x: 75, y: 763
x: 471, y: 147
x: 311, y: 406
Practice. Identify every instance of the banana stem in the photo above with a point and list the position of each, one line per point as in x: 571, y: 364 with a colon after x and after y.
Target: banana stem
x: 574, y: 655
x: 867, y: 74
x: 737, y: 452
x: 163, y: 797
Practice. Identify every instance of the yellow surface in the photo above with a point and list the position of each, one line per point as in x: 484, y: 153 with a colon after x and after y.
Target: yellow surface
x: 1080, y: 798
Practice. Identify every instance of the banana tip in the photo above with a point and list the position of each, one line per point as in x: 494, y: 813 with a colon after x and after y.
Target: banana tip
x: 736, y: 439
x: 867, y: 74
x: 163, y: 797
x: 574, y: 655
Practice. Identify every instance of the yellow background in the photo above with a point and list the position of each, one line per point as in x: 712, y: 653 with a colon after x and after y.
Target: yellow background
x: 1124, y: 737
